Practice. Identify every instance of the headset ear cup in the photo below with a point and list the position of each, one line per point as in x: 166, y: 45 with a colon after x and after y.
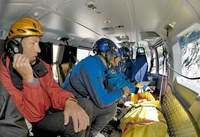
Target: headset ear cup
x: 13, y: 47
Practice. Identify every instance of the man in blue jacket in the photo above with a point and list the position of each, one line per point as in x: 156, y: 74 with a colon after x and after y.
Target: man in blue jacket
x: 87, y: 82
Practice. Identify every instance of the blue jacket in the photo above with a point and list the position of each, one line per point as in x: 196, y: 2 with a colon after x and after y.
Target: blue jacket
x: 87, y: 80
x: 117, y: 80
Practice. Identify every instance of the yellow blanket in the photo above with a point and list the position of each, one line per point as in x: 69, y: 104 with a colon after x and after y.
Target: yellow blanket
x: 144, y: 119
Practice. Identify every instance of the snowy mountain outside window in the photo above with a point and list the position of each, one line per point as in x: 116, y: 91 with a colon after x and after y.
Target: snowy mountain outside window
x: 190, y: 57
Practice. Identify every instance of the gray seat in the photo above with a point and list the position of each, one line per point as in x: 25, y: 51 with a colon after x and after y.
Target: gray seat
x: 2, y: 46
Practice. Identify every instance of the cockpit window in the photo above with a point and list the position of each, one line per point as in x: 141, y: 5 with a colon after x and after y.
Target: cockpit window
x: 154, y: 58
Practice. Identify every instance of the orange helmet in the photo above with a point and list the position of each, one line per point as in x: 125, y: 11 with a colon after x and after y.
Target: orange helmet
x: 25, y: 27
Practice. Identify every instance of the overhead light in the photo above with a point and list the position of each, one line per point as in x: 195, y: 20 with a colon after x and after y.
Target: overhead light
x: 38, y: 11
x: 36, y: 14
x: 107, y: 21
x: 170, y: 26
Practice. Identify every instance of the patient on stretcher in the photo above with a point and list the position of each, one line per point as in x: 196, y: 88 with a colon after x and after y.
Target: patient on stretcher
x: 144, y: 118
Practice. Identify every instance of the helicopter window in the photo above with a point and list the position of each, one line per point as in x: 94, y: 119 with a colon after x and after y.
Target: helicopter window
x: 160, y: 60
x: 190, y: 57
x: 153, y: 71
x: 83, y: 53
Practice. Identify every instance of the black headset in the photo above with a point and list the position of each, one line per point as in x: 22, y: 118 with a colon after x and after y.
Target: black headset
x: 13, y: 47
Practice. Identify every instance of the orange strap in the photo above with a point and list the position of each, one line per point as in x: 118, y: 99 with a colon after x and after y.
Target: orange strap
x: 140, y: 122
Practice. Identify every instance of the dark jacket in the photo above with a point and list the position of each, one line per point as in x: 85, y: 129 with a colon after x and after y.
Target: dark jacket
x: 12, y: 123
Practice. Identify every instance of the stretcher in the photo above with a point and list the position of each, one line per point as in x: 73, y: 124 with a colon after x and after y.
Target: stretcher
x: 144, y: 118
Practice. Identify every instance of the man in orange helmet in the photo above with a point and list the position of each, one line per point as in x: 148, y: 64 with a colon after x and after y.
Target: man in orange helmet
x: 29, y: 81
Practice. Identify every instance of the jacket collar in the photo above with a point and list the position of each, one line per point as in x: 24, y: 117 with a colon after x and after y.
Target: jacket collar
x: 39, y: 69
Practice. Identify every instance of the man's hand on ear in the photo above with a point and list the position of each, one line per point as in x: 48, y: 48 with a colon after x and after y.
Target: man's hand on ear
x: 22, y: 65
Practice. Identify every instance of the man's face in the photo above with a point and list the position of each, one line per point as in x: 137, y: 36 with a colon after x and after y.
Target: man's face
x: 31, y: 48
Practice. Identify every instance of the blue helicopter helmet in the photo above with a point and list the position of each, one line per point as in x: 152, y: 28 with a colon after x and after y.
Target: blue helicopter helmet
x: 107, y: 45
x: 126, y: 51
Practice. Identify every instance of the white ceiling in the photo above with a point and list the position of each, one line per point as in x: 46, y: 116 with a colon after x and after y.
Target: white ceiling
x: 72, y: 18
